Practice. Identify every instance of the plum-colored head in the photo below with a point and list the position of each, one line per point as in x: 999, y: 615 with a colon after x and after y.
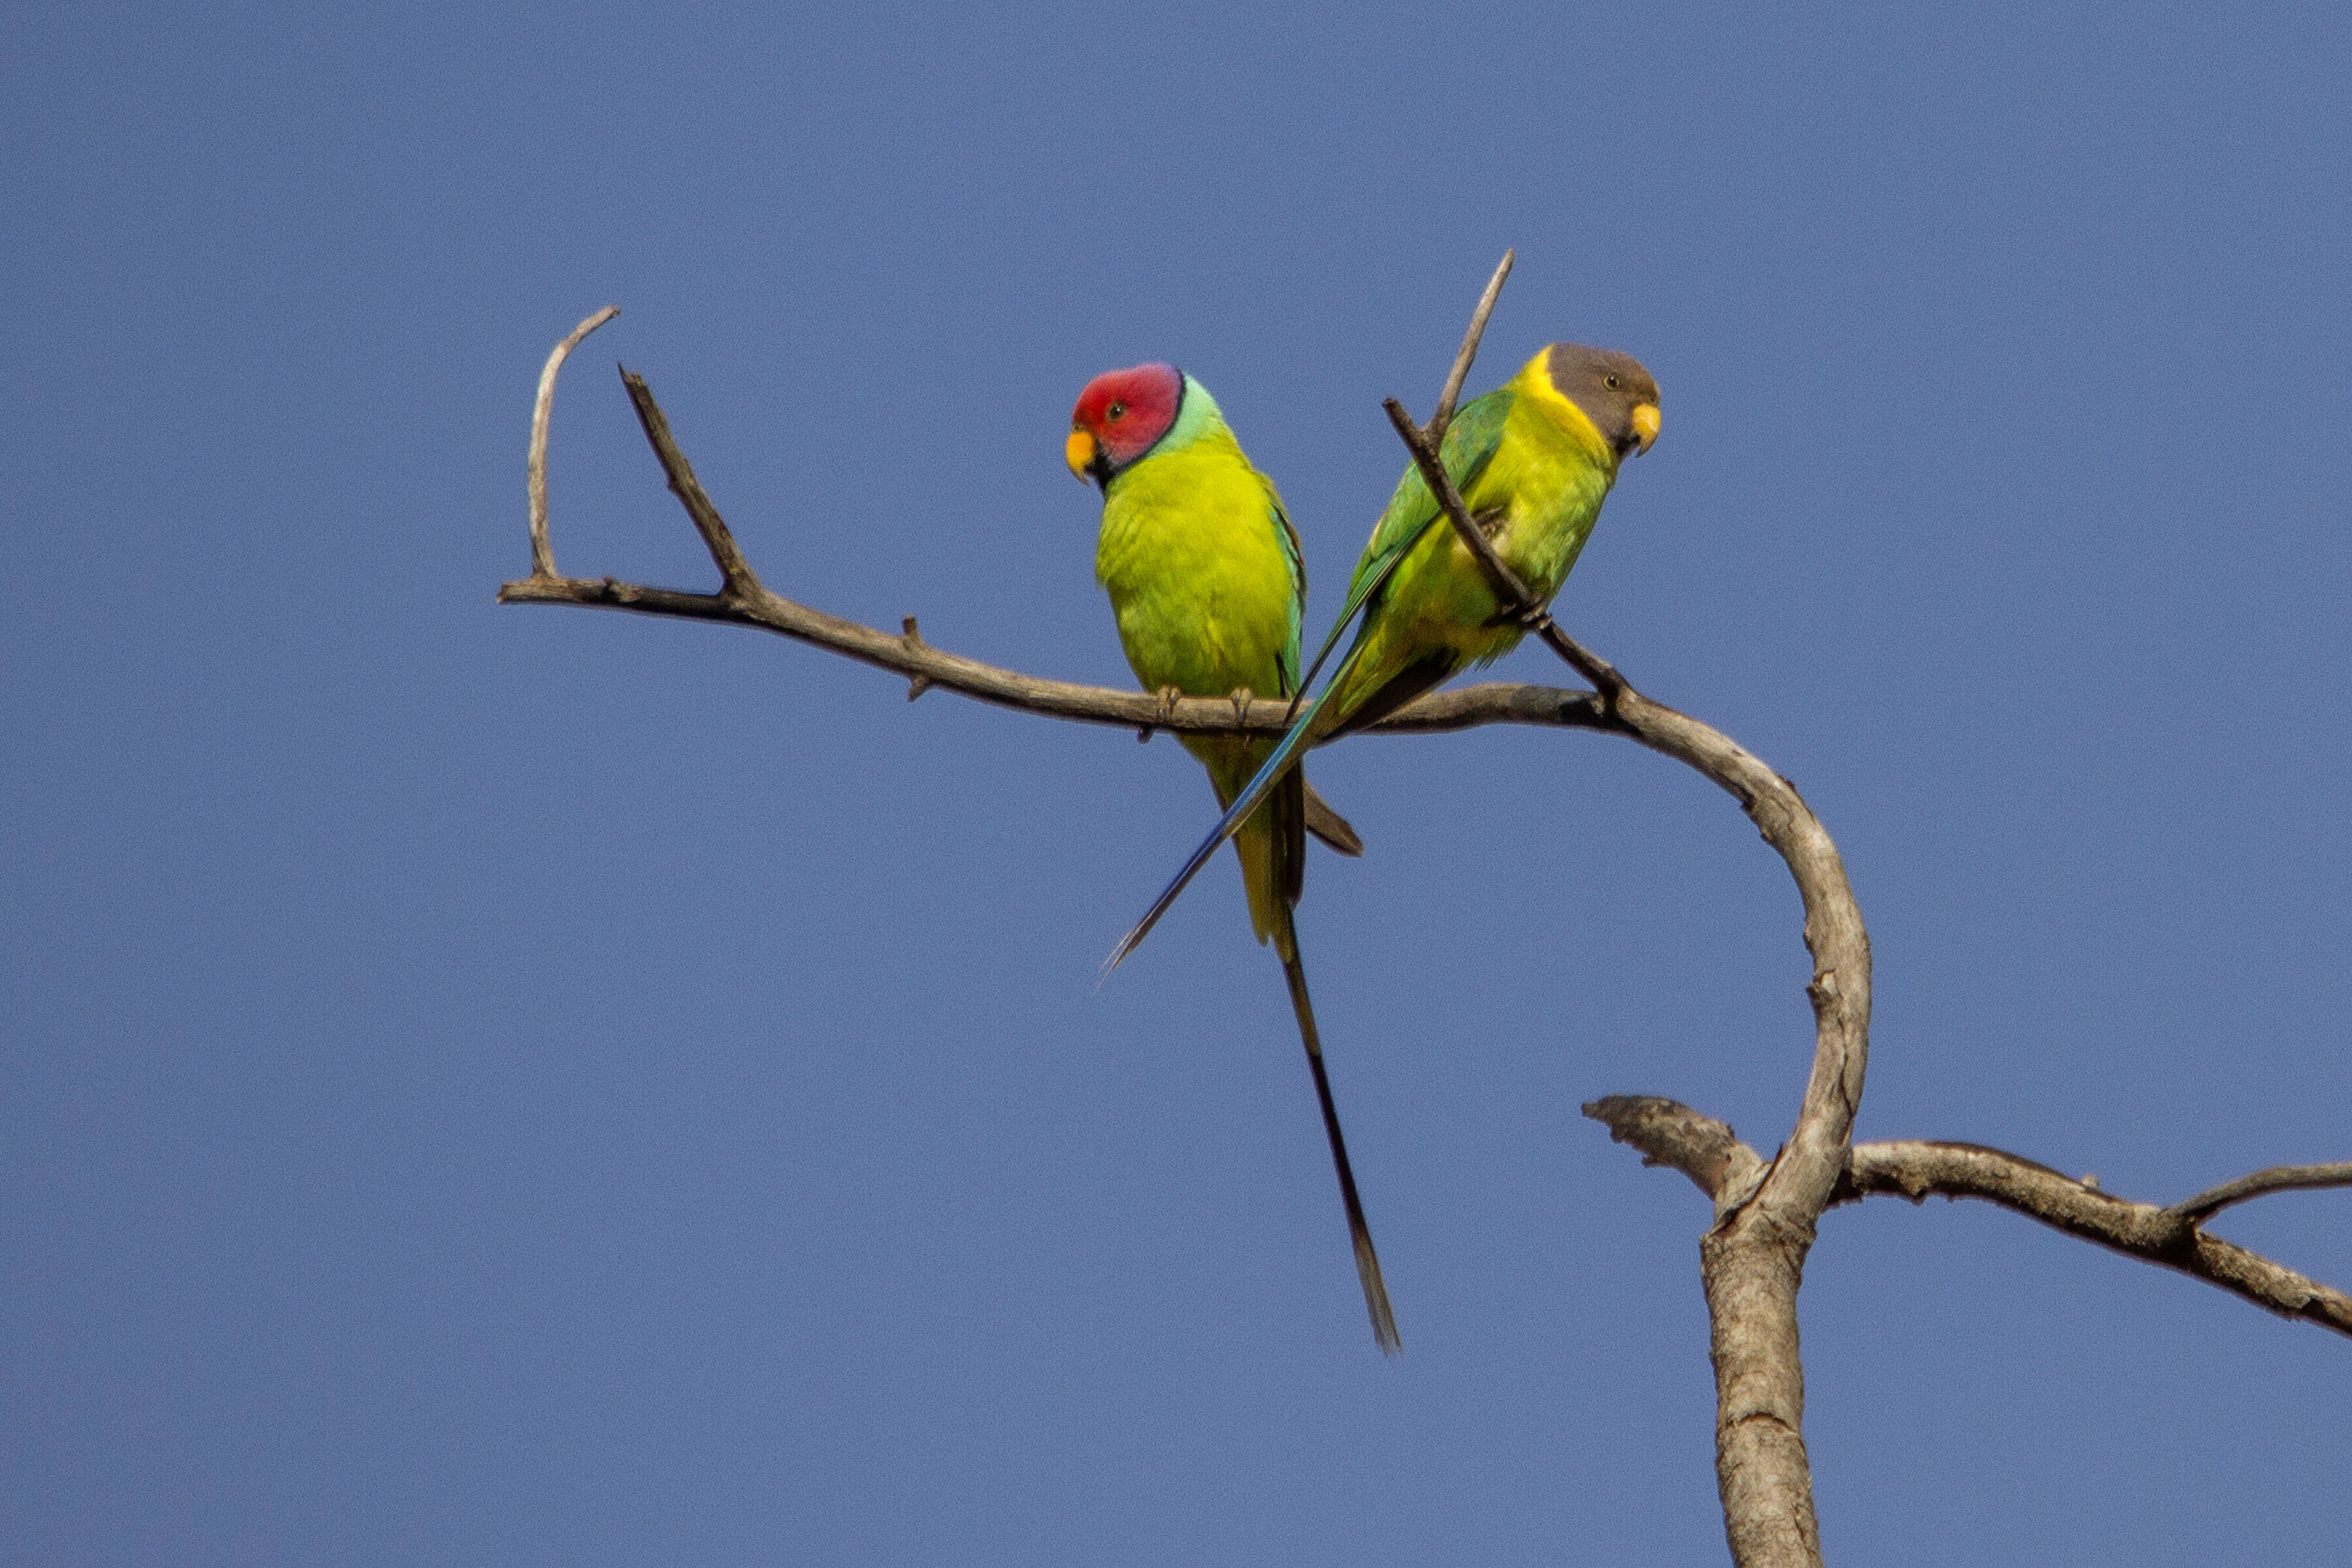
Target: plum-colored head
x: 1121, y: 416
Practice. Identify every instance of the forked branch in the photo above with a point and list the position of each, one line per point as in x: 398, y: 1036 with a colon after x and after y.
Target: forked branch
x: 1711, y: 1155
x: 2196, y: 1211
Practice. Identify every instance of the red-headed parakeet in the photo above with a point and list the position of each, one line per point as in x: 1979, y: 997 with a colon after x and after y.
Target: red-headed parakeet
x: 1205, y: 579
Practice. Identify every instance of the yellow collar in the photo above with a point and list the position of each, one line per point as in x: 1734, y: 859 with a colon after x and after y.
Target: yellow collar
x: 1533, y: 383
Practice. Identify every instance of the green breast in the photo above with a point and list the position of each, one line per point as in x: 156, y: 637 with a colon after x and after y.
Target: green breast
x: 1551, y: 474
x: 1193, y: 557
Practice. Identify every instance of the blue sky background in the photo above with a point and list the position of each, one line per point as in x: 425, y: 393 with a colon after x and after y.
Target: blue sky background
x: 526, y: 1085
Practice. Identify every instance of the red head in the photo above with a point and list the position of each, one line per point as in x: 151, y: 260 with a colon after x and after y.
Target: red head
x: 1121, y: 416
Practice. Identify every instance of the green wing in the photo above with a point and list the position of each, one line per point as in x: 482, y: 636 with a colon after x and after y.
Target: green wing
x: 1290, y: 798
x: 1469, y: 446
x: 1470, y: 443
x: 1288, y: 538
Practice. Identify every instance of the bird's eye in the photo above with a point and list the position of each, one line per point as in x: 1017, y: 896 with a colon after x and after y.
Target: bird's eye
x: 1611, y: 380
x: 1116, y: 409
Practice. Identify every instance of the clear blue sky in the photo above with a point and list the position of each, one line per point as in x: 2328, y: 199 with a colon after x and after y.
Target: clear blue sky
x: 526, y: 1085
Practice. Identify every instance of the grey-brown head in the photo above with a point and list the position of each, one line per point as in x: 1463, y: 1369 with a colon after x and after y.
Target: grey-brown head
x: 1615, y: 392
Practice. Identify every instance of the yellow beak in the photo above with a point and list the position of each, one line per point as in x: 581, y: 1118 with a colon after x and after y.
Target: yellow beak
x: 1078, y: 451
x: 1645, y: 425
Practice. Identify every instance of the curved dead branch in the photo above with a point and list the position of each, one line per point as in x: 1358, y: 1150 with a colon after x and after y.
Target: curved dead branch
x: 542, y: 553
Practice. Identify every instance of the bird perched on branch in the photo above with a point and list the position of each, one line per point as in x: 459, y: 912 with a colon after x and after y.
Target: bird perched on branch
x: 1205, y: 577
x: 1533, y: 460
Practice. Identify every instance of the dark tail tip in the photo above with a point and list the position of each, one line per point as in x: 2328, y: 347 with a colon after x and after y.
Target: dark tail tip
x: 1328, y: 825
x: 1376, y: 1294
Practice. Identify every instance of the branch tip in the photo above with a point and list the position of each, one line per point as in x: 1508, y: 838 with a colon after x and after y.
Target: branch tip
x: 1668, y: 1132
x: 1460, y: 373
x: 542, y: 409
x: 2166, y: 1237
x: 737, y: 578
x: 2196, y: 1211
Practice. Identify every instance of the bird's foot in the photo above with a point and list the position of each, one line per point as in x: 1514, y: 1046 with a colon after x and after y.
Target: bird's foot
x: 1169, y: 696
x: 1240, y: 697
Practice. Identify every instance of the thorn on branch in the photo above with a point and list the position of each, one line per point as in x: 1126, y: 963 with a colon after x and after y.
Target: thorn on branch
x: 912, y: 636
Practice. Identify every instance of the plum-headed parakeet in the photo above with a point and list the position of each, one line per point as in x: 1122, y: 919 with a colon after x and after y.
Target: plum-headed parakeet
x: 1205, y: 578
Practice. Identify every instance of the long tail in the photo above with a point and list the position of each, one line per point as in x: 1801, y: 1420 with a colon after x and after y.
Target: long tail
x: 1367, y: 1262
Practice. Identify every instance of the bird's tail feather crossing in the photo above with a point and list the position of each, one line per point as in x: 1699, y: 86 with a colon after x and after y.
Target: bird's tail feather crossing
x: 1301, y: 728
x: 1259, y: 786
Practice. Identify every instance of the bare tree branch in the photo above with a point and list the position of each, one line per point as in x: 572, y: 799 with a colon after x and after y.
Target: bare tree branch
x: 1426, y: 443
x: 1670, y: 1133
x: 542, y: 553
x: 1469, y: 350
x: 750, y: 604
x: 2277, y: 1179
x: 906, y: 654
x: 1752, y: 1257
x: 737, y: 580
x: 2170, y: 1236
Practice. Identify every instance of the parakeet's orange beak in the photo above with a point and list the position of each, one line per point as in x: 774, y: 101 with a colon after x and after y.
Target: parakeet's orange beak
x: 1646, y: 425
x: 1079, y: 452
